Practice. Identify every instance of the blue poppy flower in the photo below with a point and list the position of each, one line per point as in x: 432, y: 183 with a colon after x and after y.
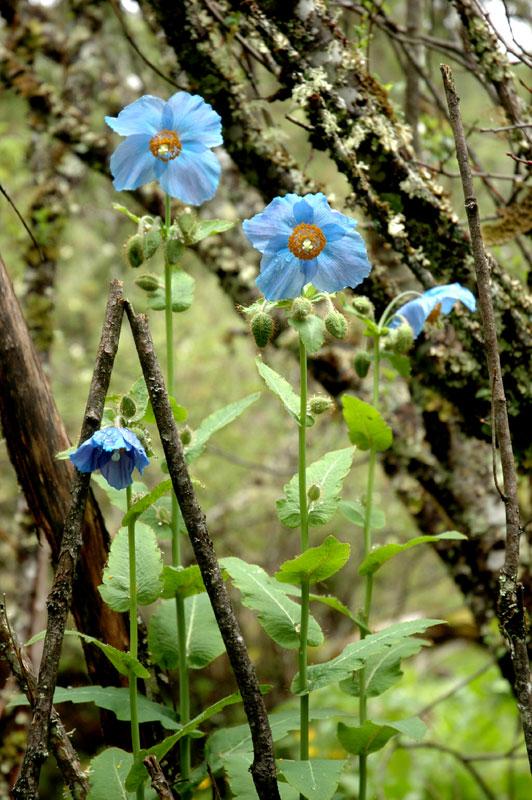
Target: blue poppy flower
x: 115, y: 452
x: 304, y: 241
x: 432, y: 303
x: 169, y: 142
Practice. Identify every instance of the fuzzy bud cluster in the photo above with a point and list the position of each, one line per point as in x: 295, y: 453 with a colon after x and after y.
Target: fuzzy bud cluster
x: 301, y: 308
x: 336, y: 324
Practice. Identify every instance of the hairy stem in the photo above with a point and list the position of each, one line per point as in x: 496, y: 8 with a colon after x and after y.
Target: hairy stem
x: 304, y: 699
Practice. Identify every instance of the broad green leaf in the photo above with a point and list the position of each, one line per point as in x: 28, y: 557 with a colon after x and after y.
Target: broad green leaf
x: 366, y: 427
x: 280, y: 387
x: 203, y: 640
x: 401, y: 364
x: 315, y: 564
x: 279, y: 616
x: 115, y: 586
x: 355, y: 513
x: 107, y: 776
x: 145, y: 502
x: 236, y: 767
x: 316, y: 779
x: 158, y: 517
x: 139, y: 393
x: 383, y: 670
x: 179, y: 413
x: 311, y: 330
x: 372, y: 736
x: 123, y: 662
x: 381, y: 554
x: 328, y: 474
x: 183, y: 286
x: 113, y: 699
x: 208, y: 227
x: 185, y: 581
x: 354, y: 654
x: 212, y: 423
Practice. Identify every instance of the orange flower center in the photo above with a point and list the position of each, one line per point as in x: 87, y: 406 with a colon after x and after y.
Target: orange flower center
x: 434, y: 314
x: 306, y: 241
x: 165, y: 145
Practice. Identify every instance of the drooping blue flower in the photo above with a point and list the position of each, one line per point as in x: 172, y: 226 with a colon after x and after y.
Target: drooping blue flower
x: 432, y: 303
x: 115, y: 452
x: 304, y: 241
x: 169, y: 142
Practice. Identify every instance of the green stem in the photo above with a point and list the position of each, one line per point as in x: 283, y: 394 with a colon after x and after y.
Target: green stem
x: 303, y: 505
x: 133, y: 638
x: 184, y: 690
x: 363, y: 699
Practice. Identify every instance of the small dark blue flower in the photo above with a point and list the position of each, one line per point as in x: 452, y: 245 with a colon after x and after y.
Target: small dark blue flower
x: 432, y: 303
x: 169, y: 142
x: 115, y: 452
x: 304, y: 241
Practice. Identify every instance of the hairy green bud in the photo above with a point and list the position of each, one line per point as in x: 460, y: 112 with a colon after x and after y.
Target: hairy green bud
x: 314, y: 493
x: 301, y: 308
x: 320, y: 405
x: 174, y: 250
x: 336, y: 324
x: 134, y: 251
x: 148, y: 282
x: 363, y: 306
x: 362, y: 363
x: 261, y: 326
x: 401, y: 339
x: 128, y: 407
x: 187, y: 223
x: 186, y: 434
x: 152, y: 240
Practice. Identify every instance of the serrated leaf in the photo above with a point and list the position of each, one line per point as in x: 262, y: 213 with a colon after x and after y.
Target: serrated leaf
x: 145, y: 502
x: 215, y: 421
x: 282, y: 389
x: 315, y: 779
x: 328, y: 473
x: 279, y: 616
x: 183, y: 581
x: 382, y: 671
x: 115, y: 587
x: 182, y: 289
x: 315, y: 564
x: 203, y: 640
x: 367, y: 429
x: 355, y: 513
x: 372, y: 736
x: 107, y: 776
x: 208, y: 227
x: 381, y: 554
x: 179, y: 413
x: 311, y: 330
x: 354, y: 654
x: 139, y: 393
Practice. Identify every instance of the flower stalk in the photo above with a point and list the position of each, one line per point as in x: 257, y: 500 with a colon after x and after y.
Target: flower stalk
x: 133, y: 638
x: 303, y: 505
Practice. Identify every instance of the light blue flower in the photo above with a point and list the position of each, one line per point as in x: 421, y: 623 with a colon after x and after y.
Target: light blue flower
x: 169, y: 142
x: 432, y: 303
x: 115, y: 452
x: 304, y: 241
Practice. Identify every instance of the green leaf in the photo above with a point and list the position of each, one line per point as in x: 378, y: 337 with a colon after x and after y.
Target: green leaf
x: 139, y: 393
x: 212, y: 423
x: 203, y: 640
x: 381, y: 554
x: 372, y: 736
x: 236, y: 767
x: 127, y: 212
x: 158, y: 517
x: 316, y: 779
x: 333, y: 602
x: 280, y: 387
x: 400, y: 363
x: 328, y: 473
x: 383, y: 670
x: 182, y: 287
x: 367, y: 429
x: 108, y: 773
x: 208, y: 227
x: 145, y: 502
x: 311, y: 330
x: 115, y: 587
x: 354, y: 654
x: 185, y: 581
x: 279, y: 616
x: 63, y: 455
x: 355, y: 513
x: 315, y: 564
x: 179, y: 413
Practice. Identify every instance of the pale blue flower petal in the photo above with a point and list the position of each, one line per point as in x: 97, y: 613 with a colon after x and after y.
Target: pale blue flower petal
x: 309, y: 268
x: 142, y: 116
x: 281, y: 276
x: 342, y: 263
x: 277, y: 219
x: 192, y: 177
x: 303, y: 212
x: 416, y: 311
x: 193, y: 119
x: 115, y: 452
x: 132, y: 163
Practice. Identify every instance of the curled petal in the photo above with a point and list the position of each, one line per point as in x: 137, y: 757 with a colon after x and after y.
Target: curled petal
x: 142, y: 116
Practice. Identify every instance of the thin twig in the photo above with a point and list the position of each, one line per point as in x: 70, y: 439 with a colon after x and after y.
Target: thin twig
x: 263, y: 768
x: 216, y: 793
x: 510, y: 605
x: 505, y: 128
x: 27, y: 785
x: 494, y: 444
x: 456, y: 688
x: 21, y: 218
x: 158, y: 779
x: 475, y: 774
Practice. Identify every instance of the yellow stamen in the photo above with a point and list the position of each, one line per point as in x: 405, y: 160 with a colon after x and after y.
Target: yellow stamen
x: 306, y: 241
x: 165, y: 145
x: 434, y: 314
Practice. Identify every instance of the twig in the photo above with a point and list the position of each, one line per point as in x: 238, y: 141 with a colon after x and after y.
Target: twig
x: 21, y: 218
x: 475, y: 774
x: 213, y: 782
x: 65, y: 755
x: 494, y: 444
x: 457, y: 687
x: 505, y: 128
x: 519, y: 160
x: 510, y: 605
x: 263, y: 767
x: 158, y: 780
x: 27, y: 785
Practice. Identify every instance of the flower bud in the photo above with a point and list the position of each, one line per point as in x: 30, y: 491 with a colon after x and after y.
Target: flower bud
x: 148, y: 282
x: 336, y: 324
x: 301, y: 308
x: 314, y: 493
x: 320, y: 404
x: 186, y: 434
x: 363, y: 306
x: 128, y: 407
x: 187, y: 223
x: 362, y: 363
x: 134, y: 251
x: 401, y: 339
x: 152, y: 240
x: 261, y: 326
x: 174, y: 250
